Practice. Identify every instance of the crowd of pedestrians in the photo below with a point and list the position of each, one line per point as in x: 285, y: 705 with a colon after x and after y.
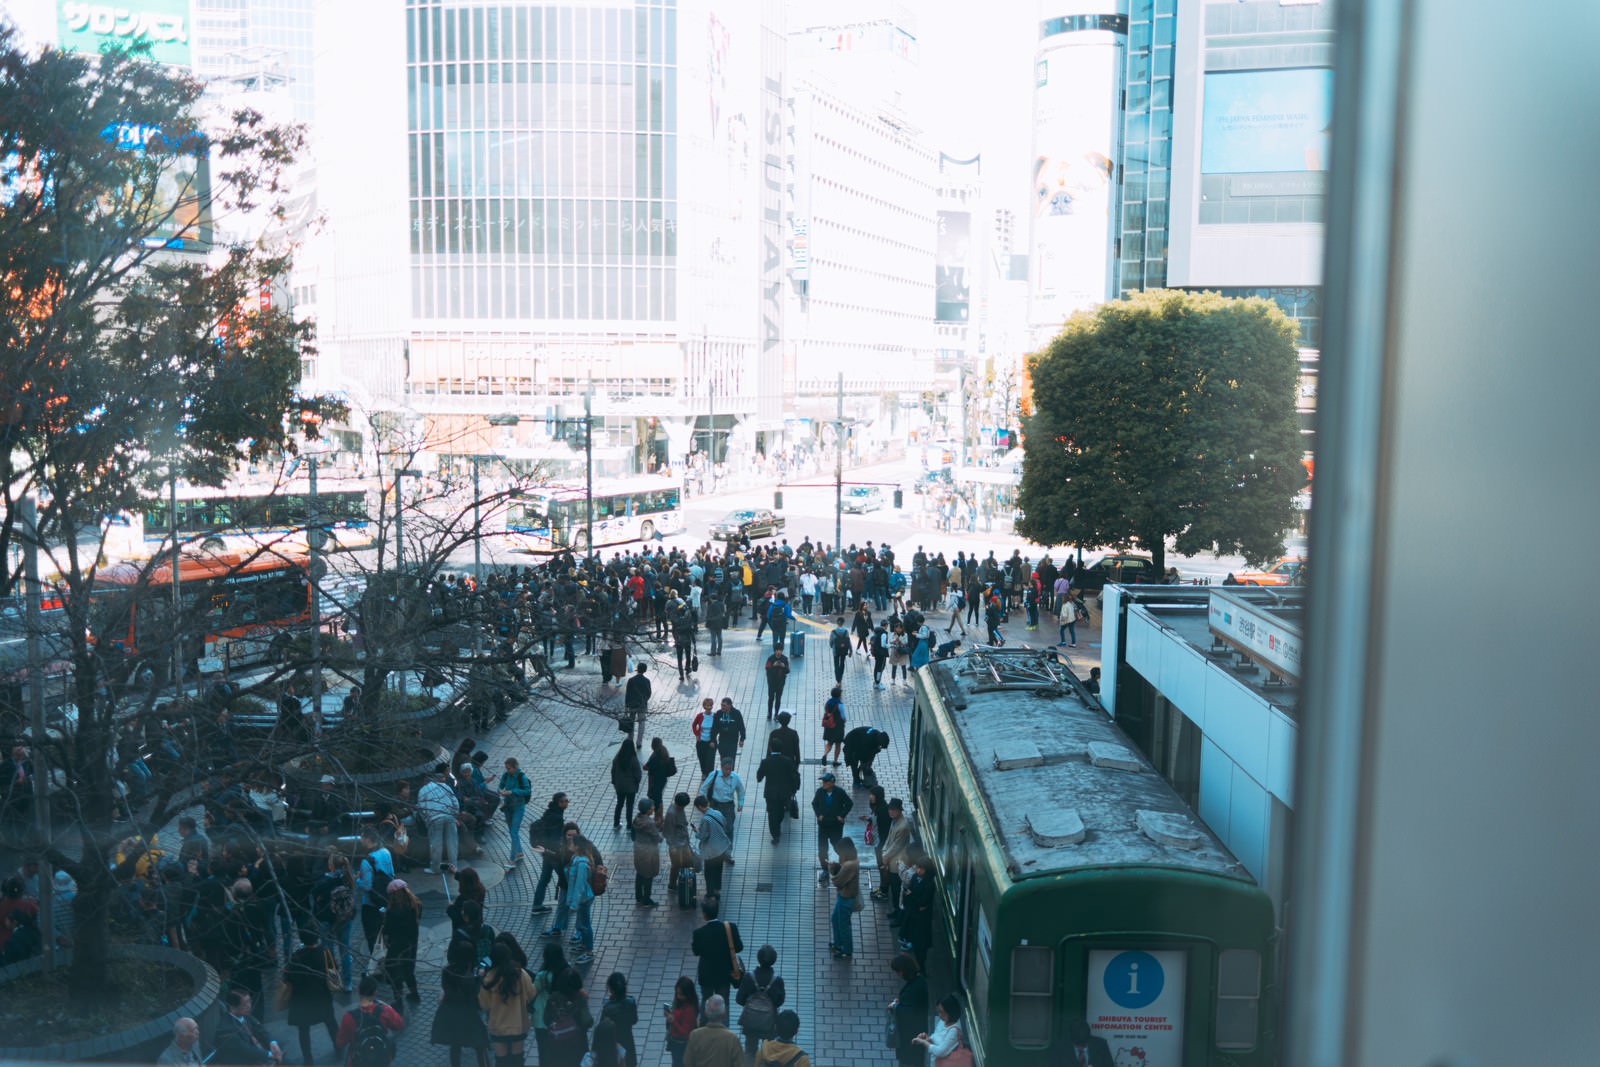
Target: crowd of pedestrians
x: 297, y: 920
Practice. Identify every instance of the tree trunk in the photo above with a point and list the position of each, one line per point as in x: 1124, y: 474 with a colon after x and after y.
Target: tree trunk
x: 91, y: 775
x: 1158, y: 558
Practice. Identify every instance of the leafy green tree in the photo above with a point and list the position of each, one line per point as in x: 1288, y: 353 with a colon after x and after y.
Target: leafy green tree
x: 1167, y: 414
x: 132, y: 353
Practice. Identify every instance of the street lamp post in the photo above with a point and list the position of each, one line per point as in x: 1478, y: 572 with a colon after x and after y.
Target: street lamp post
x: 314, y: 541
x: 838, y: 472
x: 399, y: 546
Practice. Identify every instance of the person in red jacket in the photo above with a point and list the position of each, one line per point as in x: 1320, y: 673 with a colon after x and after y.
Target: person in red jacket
x: 350, y: 1026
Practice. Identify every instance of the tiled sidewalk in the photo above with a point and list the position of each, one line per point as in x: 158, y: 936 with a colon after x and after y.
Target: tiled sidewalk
x: 771, y: 892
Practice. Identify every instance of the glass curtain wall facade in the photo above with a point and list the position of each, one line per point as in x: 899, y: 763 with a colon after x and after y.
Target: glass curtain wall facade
x: 1147, y: 145
x: 543, y: 161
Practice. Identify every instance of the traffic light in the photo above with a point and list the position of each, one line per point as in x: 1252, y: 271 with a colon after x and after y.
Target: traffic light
x: 777, y: 500
x: 899, y: 497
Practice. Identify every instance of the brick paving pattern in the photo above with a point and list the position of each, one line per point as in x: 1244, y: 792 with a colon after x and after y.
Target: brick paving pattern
x: 771, y: 892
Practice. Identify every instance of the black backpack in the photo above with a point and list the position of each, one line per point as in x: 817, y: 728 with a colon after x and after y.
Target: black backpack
x: 372, y: 1047
x: 839, y: 641
x: 760, y: 1016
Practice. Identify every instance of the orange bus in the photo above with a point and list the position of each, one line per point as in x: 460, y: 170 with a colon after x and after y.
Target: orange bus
x: 234, y: 606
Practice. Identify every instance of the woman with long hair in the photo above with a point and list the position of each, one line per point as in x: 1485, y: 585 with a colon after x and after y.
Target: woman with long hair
x: 457, y: 1023
x: 681, y: 1015
x: 505, y: 993
x: 337, y: 885
x: 402, y: 920
x: 606, y: 1052
x: 625, y: 774
x: 469, y: 886
x: 553, y: 963
x: 622, y: 1013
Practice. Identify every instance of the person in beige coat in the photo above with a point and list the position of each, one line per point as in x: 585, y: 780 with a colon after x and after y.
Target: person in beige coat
x: 646, y: 852
x: 714, y: 1045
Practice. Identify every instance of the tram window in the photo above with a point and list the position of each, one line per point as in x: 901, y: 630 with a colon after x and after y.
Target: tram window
x: 1031, y: 969
x: 1238, y: 997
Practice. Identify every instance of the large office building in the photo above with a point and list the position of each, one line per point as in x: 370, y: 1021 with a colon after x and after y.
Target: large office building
x: 865, y: 210
x: 531, y: 203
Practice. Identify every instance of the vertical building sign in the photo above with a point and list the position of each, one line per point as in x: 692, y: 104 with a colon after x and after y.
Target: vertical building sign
x: 773, y: 238
x: 1135, y: 1002
x: 1076, y: 108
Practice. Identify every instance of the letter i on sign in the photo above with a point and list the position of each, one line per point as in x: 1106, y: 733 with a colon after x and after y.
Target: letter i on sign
x: 1133, y: 979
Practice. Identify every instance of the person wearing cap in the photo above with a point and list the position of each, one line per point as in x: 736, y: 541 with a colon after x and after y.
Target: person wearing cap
x: 439, y: 806
x: 896, y: 849
x: 402, y: 930
x: 322, y: 808
x: 831, y: 806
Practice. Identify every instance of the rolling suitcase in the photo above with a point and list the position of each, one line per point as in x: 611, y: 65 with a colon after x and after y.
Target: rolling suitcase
x: 797, y: 645
x: 686, y: 892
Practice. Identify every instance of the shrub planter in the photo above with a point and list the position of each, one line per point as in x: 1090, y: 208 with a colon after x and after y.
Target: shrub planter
x: 137, y: 1042
x: 418, y: 760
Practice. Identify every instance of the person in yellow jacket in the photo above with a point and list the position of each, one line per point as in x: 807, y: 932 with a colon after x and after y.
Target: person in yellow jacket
x: 505, y: 994
x: 781, y: 1051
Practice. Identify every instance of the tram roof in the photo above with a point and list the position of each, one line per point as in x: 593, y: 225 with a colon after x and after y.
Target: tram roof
x: 1041, y: 750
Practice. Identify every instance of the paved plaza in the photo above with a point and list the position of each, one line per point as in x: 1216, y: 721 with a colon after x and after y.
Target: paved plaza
x: 771, y: 892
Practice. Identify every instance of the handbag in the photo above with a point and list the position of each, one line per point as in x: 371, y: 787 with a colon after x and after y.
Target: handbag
x: 889, y: 1037
x: 330, y: 970
x: 737, y: 973
x: 960, y: 1056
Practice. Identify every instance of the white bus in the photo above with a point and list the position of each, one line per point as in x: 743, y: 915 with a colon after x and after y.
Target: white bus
x: 242, y: 519
x: 551, y: 518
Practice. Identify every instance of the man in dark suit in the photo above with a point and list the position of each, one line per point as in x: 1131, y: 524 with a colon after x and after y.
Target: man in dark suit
x: 1086, y: 1049
x: 716, y: 943
x: 782, y: 778
x: 240, y: 1040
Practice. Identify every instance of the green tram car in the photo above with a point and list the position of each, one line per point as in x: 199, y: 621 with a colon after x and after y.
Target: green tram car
x: 1075, y: 883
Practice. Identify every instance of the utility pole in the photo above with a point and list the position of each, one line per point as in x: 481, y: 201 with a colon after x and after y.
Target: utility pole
x: 838, y: 472
x: 177, y: 599
x: 588, y: 464
x: 28, y: 513
x: 314, y: 542
x: 399, y: 549
x: 477, y: 560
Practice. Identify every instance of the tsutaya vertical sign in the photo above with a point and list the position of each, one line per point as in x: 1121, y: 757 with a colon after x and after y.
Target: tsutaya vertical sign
x: 1136, y: 1003
x: 769, y: 361
x: 164, y: 24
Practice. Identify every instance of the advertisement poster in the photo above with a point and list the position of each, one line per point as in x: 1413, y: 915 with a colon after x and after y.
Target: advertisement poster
x: 1266, y: 121
x: 1075, y: 114
x: 952, y: 290
x: 163, y: 24
x: 1136, y: 1003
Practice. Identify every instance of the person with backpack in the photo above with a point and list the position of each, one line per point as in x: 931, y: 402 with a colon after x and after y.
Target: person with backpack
x: 880, y: 653
x: 833, y: 724
x: 779, y: 615
x: 760, y: 994
x: 457, y: 1022
x: 781, y: 1051
x: 621, y: 1013
x: 553, y: 963
x: 839, y: 645
x: 475, y: 932
x: 334, y: 903
x: 373, y: 873
x: 567, y: 1020
x: 505, y: 994
x: 366, y: 1031
x: 545, y: 836
x: 515, y: 792
x: 586, y: 879
x: 777, y: 677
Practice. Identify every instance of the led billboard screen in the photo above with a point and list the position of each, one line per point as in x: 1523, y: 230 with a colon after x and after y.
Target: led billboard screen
x: 85, y: 27
x: 952, y: 284
x: 1266, y: 121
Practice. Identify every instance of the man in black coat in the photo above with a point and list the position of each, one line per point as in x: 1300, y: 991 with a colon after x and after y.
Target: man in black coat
x: 785, y: 740
x: 831, y: 807
x: 782, y: 777
x: 727, y: 730
x: 716, y: 943
x: 545, y: 835
x: 240, y: 1039
x: 1087, y: 1050
x: 777, y: 678
x: 861, y: 747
